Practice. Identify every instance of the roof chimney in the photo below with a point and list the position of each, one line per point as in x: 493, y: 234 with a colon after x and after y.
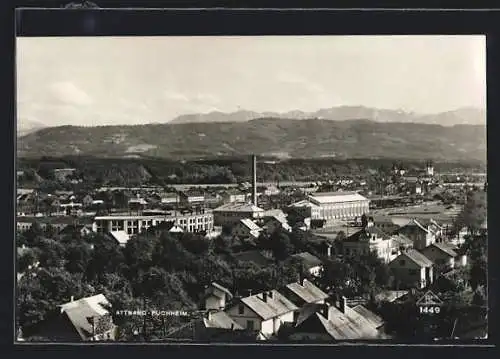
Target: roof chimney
x: 72, y: 298
x: 329, y: 250
x: 325, y: 311
x: 264, y: 297
x: 343, y: 304
x: 254, y: 180
x: 270, y: 294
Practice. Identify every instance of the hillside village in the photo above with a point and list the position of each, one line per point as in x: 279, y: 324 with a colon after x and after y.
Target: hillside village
x: 346, y: 258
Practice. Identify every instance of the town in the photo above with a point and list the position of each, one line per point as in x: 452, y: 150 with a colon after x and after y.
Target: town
x: 358, y: 255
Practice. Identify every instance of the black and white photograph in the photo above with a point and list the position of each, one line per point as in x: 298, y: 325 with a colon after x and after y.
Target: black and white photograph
x: 251, y: 189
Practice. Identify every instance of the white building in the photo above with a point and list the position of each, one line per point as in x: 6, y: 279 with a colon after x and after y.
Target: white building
x: 246, y: 228
x: 330, y: 206
x: 133, y: 224
x: 265, y: 312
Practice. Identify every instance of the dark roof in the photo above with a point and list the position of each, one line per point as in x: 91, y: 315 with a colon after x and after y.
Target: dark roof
x: 307, y: 291
x: 253, y: 256
x: 55, y: 220
x: 308, y: 259
x: 366, y: 233
x: 275, y: 305
x: 418, y: 258
x: 449, y: 250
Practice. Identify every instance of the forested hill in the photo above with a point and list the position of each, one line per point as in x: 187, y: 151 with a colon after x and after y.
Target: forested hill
x: 286, y: 138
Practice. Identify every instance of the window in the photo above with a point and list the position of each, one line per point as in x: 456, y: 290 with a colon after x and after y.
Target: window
x: 241, y: 309
x: 250, y: 324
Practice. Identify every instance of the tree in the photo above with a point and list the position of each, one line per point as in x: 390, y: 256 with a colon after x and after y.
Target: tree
x: 281, y: 245
x: 474, y: 213
x: 78, y: 256
x: 51, y: 253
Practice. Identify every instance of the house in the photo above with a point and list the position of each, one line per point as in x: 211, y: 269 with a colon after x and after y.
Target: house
x: 191, y: 197
x: 385, y: 223
x: 324, y: 322
x: 86, y: 319
x: 216, y: 296
x: 246, y: 228
x: 444, y: 255
x: 400, y: 243
x: 305, y: 293
x: 369, y: 239
x: 421, y: 235
x: 275, y: 223
x: 212, y: 327
x: 312, y: 264
x: 412, y: 269
x: 265, y: 312
x: 61, y: 174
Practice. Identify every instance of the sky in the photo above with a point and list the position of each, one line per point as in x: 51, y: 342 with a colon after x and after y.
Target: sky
x: 89, y: 81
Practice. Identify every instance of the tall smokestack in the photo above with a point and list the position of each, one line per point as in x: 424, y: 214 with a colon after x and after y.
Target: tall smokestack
x: 254, y: 180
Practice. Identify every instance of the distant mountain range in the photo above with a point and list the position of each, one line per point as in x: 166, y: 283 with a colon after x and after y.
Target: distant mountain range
x: 471, y: 116
x: 278, y: 137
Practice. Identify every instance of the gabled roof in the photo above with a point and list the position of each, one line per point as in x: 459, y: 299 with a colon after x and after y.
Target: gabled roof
x: 443, y: 247
x: 399, y: 239
x: 308, y: 259
x: 307, y: 291
x: 391, y: 295
x: 221, y: 320
x: 366, y: 233
x: 250, y: 224
x: 373, y: 318
x: 304, y: 203
x: 417, y: 257
x: 120, y: 236
x: 219, y: 289
x: 79, y: 312
x: 274, y: 306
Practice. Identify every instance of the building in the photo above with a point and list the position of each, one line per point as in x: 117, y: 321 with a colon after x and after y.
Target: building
x: 275, y: 223
x: 24, y: 223
x: 246, y: 228
x: 444, y: 256
x: 385, y: 223
x: 332, y: 206
x: 323, y: 322
x: 369, y: 239
x: 421, y: 235
x: 412, y: 270
x: 310, y: 263
x: 231, y: 213
x: 265, y: 312
x: 191, y: 198
x: 216, y: 297
x: 234, y: 196
x: 305, y: 293
x: 212, y: 327
x: 429, y: 169
x: 133, y: 224
x: 86, y: 319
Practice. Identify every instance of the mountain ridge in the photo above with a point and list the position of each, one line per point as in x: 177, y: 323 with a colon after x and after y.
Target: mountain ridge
x: 283, y: 138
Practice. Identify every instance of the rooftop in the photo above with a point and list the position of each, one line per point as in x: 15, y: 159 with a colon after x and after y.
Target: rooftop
x: 418, y: 258
x: 79, y: 312
x: 275, y: 304
x: 307, y: 259
x: 307, y: 291
x: 238, y: 207
x: 336, y: 197
x: 250, y: 224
